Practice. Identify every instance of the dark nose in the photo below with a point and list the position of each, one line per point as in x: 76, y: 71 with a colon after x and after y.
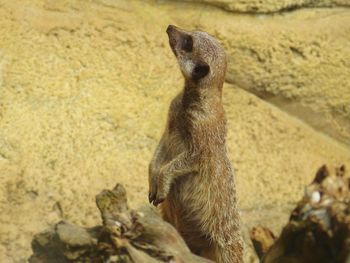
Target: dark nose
x: 170, y: 29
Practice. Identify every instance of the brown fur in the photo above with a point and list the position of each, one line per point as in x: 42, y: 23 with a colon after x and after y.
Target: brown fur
x: 190, y: 173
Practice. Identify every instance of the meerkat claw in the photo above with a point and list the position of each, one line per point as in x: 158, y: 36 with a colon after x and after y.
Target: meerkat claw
x: 156, y: 202
x: 151, y: 197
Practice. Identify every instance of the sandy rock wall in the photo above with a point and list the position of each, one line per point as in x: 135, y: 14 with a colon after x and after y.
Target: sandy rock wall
x: 269, y: 6
x: 84, y: 91
x: 299, y: 63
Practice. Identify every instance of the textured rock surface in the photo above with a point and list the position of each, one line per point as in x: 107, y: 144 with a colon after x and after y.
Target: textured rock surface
x: 300, y: 63
x: 84, y: 90
x: 269, y: 6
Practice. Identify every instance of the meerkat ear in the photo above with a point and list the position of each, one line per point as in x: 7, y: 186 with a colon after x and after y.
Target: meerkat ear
x: 201, y: 69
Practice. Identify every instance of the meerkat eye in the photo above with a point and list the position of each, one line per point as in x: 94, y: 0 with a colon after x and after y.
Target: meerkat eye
x: 201, y: 69
x: 187, y: 43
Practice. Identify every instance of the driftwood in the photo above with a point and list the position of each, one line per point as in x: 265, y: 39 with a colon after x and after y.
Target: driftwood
x: 318, y: 229
x: 125, y: 236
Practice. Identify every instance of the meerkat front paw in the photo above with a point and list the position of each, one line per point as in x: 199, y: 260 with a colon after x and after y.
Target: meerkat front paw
x: 153, y: 181
x: 159, y: 189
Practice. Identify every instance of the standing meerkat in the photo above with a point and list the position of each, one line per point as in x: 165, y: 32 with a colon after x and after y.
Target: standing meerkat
x: 190, y: 173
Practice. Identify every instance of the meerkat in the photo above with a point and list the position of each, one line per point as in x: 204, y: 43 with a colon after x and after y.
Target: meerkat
x: 190, y: 174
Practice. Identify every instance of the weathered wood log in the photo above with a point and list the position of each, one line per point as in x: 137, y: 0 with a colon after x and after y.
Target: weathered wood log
x: 262, y: 239
x: 319, y: 227
x: 125, y: 236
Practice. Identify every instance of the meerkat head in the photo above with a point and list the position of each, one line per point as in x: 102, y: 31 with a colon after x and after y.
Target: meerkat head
x: 201, y: 58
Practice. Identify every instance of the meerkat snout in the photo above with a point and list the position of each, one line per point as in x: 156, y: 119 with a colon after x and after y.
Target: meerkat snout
x: 172, y: 39
x: 170, y: 28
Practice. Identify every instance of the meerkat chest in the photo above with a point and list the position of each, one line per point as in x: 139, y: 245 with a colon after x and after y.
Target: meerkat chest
x: 175, y: 144
x: 176, y: 140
